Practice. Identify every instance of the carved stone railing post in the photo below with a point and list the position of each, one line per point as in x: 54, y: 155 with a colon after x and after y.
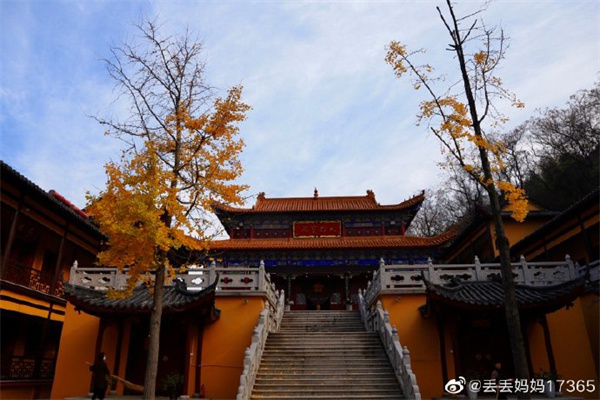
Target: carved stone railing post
x: 527, y: 275
x: 572, y: 273
x: 212, y: 271
x: 430, y: 268
x: 261, y: 275
x: 478, y: 272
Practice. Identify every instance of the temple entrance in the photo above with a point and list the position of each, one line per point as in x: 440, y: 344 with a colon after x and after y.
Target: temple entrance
x: 317, y: 292
x: 482, y: 343
x: 172, y: 351
x: 322, y: 291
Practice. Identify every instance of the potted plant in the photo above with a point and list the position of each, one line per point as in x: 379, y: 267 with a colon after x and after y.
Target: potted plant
x: 549, y: 379
x: 172, y: 384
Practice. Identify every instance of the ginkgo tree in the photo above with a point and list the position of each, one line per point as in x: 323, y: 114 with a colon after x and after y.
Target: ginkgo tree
x: 464, y: 115
x: 182, y: 155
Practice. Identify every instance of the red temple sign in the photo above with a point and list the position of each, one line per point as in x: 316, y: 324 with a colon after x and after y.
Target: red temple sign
x: 317, y: 229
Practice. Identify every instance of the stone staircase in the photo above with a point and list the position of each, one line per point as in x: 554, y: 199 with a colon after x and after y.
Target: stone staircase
x: 325, y: 355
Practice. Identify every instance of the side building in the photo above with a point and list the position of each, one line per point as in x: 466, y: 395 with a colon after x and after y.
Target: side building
x: 42, y: 235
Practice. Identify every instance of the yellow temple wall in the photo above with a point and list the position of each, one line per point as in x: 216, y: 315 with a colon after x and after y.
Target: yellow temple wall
x: 516, y: 231
x: 420, y: 335
x: 77, y: 346
x: 590, y: 307
x: 224, y: 343
x: 29, y: 306
x: 109, y: 346
x: 571, y: 347
x: 19, y: 391
x: 573, y: 352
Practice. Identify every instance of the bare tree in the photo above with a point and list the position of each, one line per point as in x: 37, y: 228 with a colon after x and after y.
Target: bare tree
x: 450, y: 205
x: 461, y: 118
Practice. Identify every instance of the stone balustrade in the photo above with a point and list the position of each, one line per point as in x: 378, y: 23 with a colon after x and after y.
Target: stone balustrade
x: 408, y: 278
x: 269, y: 321
x: 232, y: 279
x: 376, y: 319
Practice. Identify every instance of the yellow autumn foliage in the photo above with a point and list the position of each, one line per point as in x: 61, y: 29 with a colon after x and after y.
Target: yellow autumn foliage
x: 152, y: 195
x: 450, y: 120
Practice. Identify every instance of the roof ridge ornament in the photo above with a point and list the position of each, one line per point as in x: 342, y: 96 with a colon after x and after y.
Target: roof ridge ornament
x: 316, y: 193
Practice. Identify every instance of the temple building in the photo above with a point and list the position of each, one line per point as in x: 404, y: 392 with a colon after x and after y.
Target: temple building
x: 321, y: 250
x: 291, y: 269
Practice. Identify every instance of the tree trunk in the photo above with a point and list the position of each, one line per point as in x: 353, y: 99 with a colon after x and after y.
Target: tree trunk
x: 154, y: 333
x: 513, y: 321
x: 511, y: 309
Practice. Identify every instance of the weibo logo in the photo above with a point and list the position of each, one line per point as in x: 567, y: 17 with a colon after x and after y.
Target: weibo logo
x: 455, y: 386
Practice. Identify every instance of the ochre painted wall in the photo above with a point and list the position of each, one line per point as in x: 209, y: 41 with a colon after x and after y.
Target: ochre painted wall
x: 571, y: 345
x: 109, y: 347
x: 27, y: 309
x: 224, y: 343
x: 77, y: 345
x: 590, y: 306
x: 20, y: 391
x: 573, y: 354
x: 420, y: 335
x: 516, y: 231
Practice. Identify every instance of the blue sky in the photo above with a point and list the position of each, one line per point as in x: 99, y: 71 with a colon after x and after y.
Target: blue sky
x: 327, y: 111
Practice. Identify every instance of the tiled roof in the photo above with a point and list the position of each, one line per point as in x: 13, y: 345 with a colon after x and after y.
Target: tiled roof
x: 365, y: 242
x: 175, y: 298
x: 554, y: 225
x: 490, y: 295
x: 318, y: 203
x: 50, y: 199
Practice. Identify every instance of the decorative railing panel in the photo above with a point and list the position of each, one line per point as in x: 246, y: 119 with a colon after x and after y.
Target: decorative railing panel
x: 35, y: 279
x: 28, y: 368
x: 231, y: 280
x: 405, y: 278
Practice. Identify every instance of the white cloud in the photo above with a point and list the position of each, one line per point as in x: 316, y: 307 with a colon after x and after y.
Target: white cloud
x: 327, y: 111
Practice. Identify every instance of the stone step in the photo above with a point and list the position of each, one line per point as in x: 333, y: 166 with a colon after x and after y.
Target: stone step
x: 330, y: 391
x: 309, y: 340
x: 306, y: 330
x: 317, y: 337
x: 320, y: 322
x: 323, y: 320
x: 328, y: 397
x: 359, y: 333
x: 337, y: 349
x: 324, y: 355
x: 318, y: 356
x: 350, y: 345
x: 319, y: 344
x: 343, y: 364
x: 337, y: 396
x: 302, y: 379
x: 312, y: 312
x: 312, y: 369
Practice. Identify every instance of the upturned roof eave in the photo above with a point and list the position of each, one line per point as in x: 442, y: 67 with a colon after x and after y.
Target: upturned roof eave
x: 221, y: 208
x: 355, y: 242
